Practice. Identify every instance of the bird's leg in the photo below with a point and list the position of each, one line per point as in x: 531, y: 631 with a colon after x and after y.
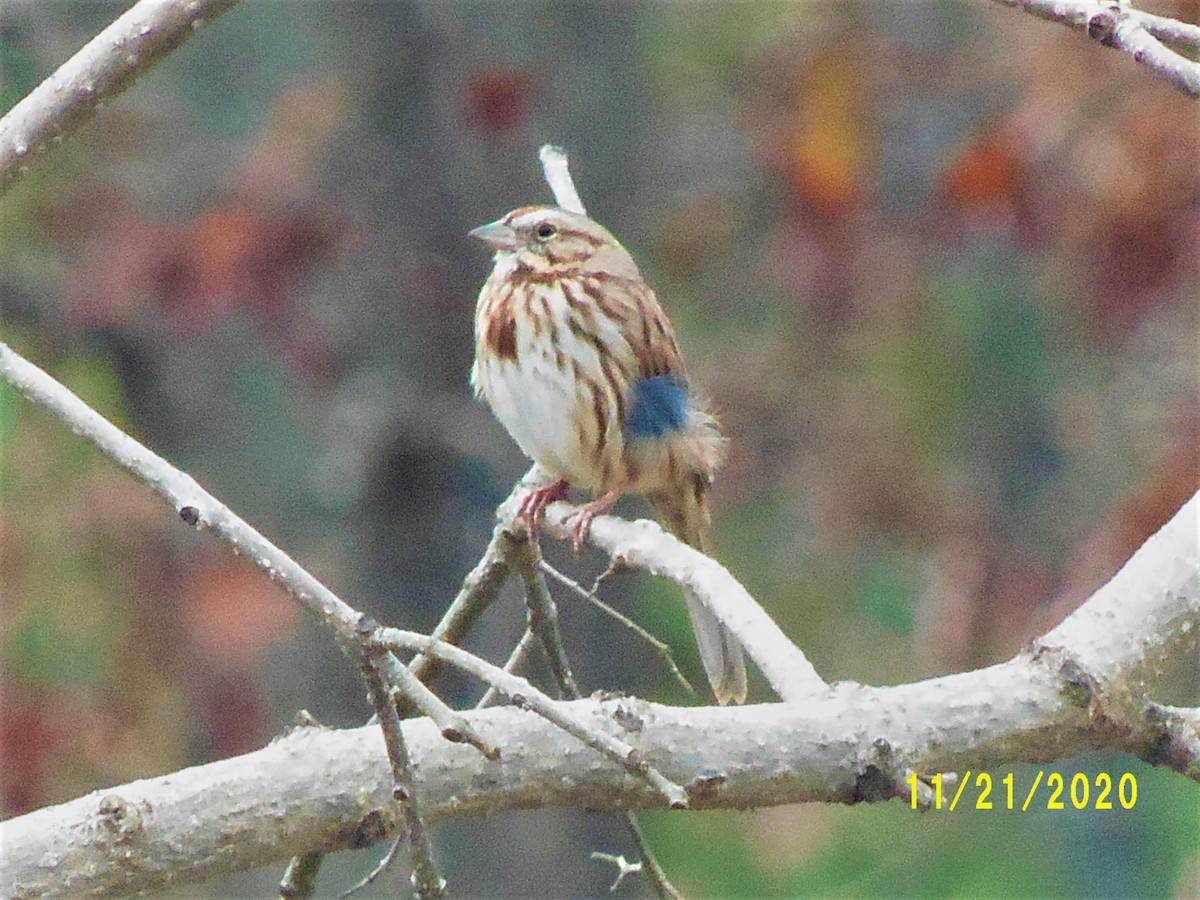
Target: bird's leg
x: 585, y: 512
x: 536, y: 501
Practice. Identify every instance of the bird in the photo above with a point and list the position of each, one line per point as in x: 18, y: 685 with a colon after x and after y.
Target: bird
x: 577, y: 359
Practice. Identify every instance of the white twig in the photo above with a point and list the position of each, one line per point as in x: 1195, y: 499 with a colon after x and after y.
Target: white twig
x: 663, y: 648
x: 382, y: 866
x: 196, y: 506
x: 645, y: 545
x: 1115, y: 25
x: 453, y: 725
x: 1184, y: 33
x: 516, y: 661
x: 624, y: 867
x: 426, y: 877
x: 558, y: 176
x: 523, y: 694
x: 107, y: 65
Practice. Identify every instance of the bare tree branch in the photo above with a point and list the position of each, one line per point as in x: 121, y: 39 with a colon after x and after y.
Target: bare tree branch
x: 107, y: 65
x: 1081, y: 687
x: 644, y: 545
x: 1139, y: 34
x: 661, y: 647
x: 426, y: 877
x: 524, y: 695
x: 196, y: 506
x: 558, y: 177
x: 1183, y: 33
x: 543, y: 621
x: 199, y: 508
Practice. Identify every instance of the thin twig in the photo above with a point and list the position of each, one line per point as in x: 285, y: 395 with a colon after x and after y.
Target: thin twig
x: 523, y: 694
x: 108, y: 64
x: 1130, y: 36
x: 558, y: 177
x: 196, y: 506
x: 542, y: 616
x: 1186, y: 34
x: 651, y: 869
x: 663, y: 648
x: 1081, y: 687
x: 516, y: 661
x: 1116, y: 25
x: 479, y: 590
x: 453, y: 726
x: 624, y: 867
x: 300, y: 878
x: 645, y: 545
x: 426, y: 878
x: 382, y: 866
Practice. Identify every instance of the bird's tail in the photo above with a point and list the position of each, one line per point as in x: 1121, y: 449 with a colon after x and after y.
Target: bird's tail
x: 685, y: 514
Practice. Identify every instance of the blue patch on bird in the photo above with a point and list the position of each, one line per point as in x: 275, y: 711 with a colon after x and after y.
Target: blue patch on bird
x: 658, y: 406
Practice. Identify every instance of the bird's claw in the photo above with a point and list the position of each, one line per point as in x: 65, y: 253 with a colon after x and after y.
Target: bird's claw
x: 579, y: 531
x: 534, y: 504
x: 584, y: 513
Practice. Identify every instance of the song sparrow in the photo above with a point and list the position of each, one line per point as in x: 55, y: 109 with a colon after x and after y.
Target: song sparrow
x: 578, y: 361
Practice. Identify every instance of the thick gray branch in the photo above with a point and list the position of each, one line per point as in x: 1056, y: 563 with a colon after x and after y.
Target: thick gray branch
x: 1079, y: 688
x: 107, y: 65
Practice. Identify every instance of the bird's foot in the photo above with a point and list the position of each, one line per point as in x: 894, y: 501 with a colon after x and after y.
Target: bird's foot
x: 584, y: 513
x: 535, y: 502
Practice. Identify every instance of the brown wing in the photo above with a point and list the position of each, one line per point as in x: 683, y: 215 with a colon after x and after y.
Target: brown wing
x: 632, y: 305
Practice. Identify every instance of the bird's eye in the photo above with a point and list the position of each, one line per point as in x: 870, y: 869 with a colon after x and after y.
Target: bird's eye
x: 545, y: 231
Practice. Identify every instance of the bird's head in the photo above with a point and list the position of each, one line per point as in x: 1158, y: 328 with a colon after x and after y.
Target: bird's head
x: 549, y: 240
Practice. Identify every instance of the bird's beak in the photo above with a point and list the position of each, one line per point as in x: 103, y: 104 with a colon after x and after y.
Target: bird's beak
x: 497, y: 235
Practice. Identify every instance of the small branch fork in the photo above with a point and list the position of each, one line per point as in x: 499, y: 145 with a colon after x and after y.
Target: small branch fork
x: 1142, y: 35
x: 543, y: 621
x: 386, y: 678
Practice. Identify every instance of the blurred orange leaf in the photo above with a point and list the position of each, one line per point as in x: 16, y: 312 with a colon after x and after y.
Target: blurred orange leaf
x: 985, y: 171
x: 827, y: 153
x: 234, y: 614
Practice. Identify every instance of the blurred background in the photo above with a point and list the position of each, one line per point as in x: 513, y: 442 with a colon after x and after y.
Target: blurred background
x: 935, y: 263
